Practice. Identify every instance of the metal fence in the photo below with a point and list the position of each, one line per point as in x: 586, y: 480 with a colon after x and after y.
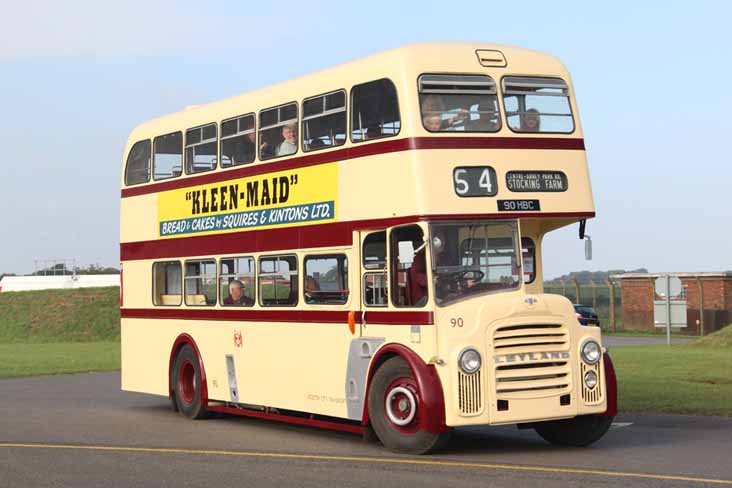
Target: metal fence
x: 605, y: 298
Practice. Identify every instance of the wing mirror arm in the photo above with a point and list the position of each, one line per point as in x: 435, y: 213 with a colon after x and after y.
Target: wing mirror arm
x: 585, y: 237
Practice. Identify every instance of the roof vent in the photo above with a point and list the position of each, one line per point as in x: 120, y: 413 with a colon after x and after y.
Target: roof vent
x: 491, y: 58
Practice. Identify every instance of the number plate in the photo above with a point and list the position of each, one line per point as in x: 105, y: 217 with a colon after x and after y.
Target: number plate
x: 518, y: 206
x: 475, y: 181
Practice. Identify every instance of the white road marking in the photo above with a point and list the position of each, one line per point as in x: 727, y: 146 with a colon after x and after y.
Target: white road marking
x: 618, y: 425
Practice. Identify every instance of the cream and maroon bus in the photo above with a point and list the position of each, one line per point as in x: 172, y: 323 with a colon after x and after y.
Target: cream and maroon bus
x: 360, y: 249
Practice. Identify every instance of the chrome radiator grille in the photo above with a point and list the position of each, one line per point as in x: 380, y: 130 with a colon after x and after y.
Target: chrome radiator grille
x: 531, y: 360
x: 470, y: 393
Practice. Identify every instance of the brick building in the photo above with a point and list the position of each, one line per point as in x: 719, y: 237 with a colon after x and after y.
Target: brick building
x: 637, y: 293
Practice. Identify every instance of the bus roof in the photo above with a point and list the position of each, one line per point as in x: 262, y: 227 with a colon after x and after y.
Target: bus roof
x: 399, y: 64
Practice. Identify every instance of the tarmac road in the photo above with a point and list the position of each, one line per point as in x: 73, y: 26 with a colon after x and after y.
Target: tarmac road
x: 81, y: 430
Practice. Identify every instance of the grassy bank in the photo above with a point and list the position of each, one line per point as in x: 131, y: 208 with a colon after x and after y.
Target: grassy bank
x: 54, y: 316
x: 40, y: 359
x: 59, y: 331
x: 693, y: 378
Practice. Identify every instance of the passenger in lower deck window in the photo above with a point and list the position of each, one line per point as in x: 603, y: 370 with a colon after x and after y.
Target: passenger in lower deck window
x: 289, y: 144
x: 311, y: 289
x: 237, y: 295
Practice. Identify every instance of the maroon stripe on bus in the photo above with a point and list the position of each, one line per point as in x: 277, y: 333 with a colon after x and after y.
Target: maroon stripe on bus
x: 290, y: 419
x: 360, y: 151
x: 301, y: 237
x: 380, y: 317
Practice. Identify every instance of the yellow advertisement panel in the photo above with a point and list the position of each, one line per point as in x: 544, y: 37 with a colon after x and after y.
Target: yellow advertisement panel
x: 293, y: 197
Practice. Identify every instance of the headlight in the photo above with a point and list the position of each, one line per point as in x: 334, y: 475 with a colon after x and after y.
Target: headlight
x: 591, y: 352
x: 590, y: 379
x: 469, y: 361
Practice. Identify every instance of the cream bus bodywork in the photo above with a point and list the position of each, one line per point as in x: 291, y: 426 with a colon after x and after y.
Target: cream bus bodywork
x: 300, y: 357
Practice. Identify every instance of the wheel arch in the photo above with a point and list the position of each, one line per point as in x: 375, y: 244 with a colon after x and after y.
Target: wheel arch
x: 180, y: 341
x: 611, y: 386
x: 432, y: 399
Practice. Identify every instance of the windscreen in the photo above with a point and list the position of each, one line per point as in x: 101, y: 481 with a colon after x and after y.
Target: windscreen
x: 474, y: 258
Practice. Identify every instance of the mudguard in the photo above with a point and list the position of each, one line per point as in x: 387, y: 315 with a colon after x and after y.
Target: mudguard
x: 611, y: 386
x: 432, y: 399
x: 181, y: 341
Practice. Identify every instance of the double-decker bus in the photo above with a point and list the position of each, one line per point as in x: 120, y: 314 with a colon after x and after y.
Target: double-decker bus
x: 361, y: 249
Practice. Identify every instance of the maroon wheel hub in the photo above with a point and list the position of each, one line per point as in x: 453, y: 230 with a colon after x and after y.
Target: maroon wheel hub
x: 187, y: 382
x: 401, y: 405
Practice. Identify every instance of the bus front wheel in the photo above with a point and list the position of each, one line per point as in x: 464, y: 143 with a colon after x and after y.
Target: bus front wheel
x: 394, y: 410
x: 185, y: 377
x: 577, y: 432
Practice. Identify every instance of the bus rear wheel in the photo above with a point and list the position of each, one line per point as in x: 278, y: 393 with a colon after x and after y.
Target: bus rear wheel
x: 185, y: 376
x: 394, y: 410
x: 577, y: 432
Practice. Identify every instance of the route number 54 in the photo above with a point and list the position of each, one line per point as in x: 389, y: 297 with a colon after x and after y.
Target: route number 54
x: 474, y: 181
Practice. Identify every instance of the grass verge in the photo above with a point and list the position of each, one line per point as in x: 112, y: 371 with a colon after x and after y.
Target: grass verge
x: 75, y: 315
x: 680, y: 379
x: 40, y: 359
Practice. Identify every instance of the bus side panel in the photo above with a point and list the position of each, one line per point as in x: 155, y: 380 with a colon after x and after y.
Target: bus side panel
x: 296, y: 366
x: 146, y: 347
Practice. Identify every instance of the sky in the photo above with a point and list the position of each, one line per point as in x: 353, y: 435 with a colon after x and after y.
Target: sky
x: 77, y: 76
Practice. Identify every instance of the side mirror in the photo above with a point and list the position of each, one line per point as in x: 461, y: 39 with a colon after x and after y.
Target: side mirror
x: 406, y: 252
x: 588, y: 248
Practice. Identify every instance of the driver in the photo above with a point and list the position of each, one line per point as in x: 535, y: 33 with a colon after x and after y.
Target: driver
x: 418, y: 279
x: 450, y: 276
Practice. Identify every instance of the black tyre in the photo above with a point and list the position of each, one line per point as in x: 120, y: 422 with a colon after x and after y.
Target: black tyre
x: 578, y: 432
x: 395, y: 410
x: 185, y: 377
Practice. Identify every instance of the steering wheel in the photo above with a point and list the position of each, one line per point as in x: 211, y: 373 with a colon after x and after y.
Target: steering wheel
x: 455, y: 282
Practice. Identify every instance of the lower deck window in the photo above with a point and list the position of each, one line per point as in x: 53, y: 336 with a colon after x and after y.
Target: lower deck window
x: 375, y: 291
x: 326, y: 279
x: 278, y: 281
x: 201, y: 283
x: 236, y: 281
x: 167, y: 283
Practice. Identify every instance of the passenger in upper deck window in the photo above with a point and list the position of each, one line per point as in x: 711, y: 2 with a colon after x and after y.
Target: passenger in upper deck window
x: 434, y: 105
x: 289, y: 144
x: 432, y: 122
x: 244, y: 148
x: 487, y: 120
x: 531, y: 122
x: 373, y: 131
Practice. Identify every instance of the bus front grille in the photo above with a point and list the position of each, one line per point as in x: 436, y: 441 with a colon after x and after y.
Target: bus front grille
x: 470, y: 393
x: 531, y: 361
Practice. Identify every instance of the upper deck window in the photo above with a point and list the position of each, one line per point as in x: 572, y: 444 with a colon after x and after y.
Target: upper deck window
x: 374, y: 111
x: 465, y: 103
x: 537, y: 105
x: 278, y: 131
x: 324, y: 121
x: 238, y: 141
x: 137, y: 169
x: 201, y: 149
x: 168, y: 160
